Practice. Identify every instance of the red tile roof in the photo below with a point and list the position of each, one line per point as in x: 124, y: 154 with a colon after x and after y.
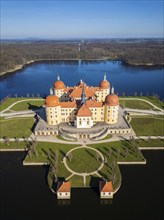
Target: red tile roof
x: 94, y: 103
x: 77, y: 91
x: 112, y: 100
x: 105, y: 186
x: 68, y: 89
x: 64, y: 187
x: 68, y: 104
x: 84, y: 111
x: 52, y: 101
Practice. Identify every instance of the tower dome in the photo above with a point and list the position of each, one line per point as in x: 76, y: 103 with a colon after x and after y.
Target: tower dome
x: 112, y: 100
x: 52, y: 101
x: 104, y: 84
x: 59, y: 85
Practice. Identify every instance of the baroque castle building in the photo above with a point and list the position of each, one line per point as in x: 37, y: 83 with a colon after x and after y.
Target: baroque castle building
x: 82, y: 105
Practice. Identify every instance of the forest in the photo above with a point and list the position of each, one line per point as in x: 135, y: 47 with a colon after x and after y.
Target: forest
x: 133, y: 52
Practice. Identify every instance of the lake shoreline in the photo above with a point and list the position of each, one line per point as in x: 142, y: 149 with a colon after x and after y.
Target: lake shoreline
x: 20, y: 67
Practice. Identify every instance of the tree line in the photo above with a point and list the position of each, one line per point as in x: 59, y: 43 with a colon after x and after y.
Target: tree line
x: 143, y: 52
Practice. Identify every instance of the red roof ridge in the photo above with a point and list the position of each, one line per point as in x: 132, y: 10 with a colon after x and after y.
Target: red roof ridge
x: 106, y: 186
x: 64, y: 186
x: 84, y: 111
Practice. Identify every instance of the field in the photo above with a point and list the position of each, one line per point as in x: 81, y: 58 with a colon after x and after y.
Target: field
x: 146, y: 126
x: 16, y: 127
x: 29, y: 103
x: 137, y: 104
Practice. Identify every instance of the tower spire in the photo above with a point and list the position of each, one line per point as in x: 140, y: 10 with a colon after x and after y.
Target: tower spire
x: 104, y: 76
x: 58, y: 77
x: 83, y: 95
x: 51, y: 90
x: 112, y: 90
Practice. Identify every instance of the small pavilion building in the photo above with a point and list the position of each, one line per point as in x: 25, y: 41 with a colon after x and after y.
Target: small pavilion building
x: 63, y: 190
x: 106, y: 190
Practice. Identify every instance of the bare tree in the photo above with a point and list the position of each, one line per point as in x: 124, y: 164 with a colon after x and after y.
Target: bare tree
x: 113, y: 164
x: 105, y: 159
x: 29, y: 153
x: 48, y: 154
x: 36, y: 153
x: 109, y: 152
x: 114, y: 178
x: 56, y: 178
x: 56, y: 155
x: 118, y: 152
x: 149, y: 139
x: 17, y: 141
x: 97, y: 156
x: 69, y: 156
x: 7, y: 141
x: 126, y: 152
x: 54, y: 169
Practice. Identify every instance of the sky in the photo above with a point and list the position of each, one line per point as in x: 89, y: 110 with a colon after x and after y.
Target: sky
x: 82, y: 19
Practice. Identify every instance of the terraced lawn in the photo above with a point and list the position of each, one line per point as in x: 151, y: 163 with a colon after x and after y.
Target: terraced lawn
x: 148, y: 126
x: 16, y: 127
x: 137, y: 104
x: 20, y: 107
x: 28, y: 105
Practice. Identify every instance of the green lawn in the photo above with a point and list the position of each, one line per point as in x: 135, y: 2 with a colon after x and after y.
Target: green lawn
x: 16, y: 127
x: 151, y: 99
x: 84, y: 160
x: 133, y: 155
x: 44, y: 147
x: 150, y: 142
x: 137, y: 104
x: 13, y: 145
x: 27, y: 105
x: 148, y: 126
x: 76, y: 181
x: 10, y: 101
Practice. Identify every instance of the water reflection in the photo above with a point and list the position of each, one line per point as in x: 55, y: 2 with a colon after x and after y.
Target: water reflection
x: 63, y: 202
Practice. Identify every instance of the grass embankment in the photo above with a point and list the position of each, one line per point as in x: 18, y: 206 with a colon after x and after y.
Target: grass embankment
x: 134, y: 153
x: 150, y: 142
x: 28, y: 105
x: 16, y: 127
x: 9, y: 102
x: 136, y: 104
x: 148, y: 126
x: 13, y: 145
x: 140, y: 105
x: 24, y: 105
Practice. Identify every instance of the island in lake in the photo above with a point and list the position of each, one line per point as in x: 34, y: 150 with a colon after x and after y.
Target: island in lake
x: 83, y: 133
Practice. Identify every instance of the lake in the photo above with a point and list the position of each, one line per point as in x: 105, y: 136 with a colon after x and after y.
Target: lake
x: 24, y: 193
x: 37, y: 78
